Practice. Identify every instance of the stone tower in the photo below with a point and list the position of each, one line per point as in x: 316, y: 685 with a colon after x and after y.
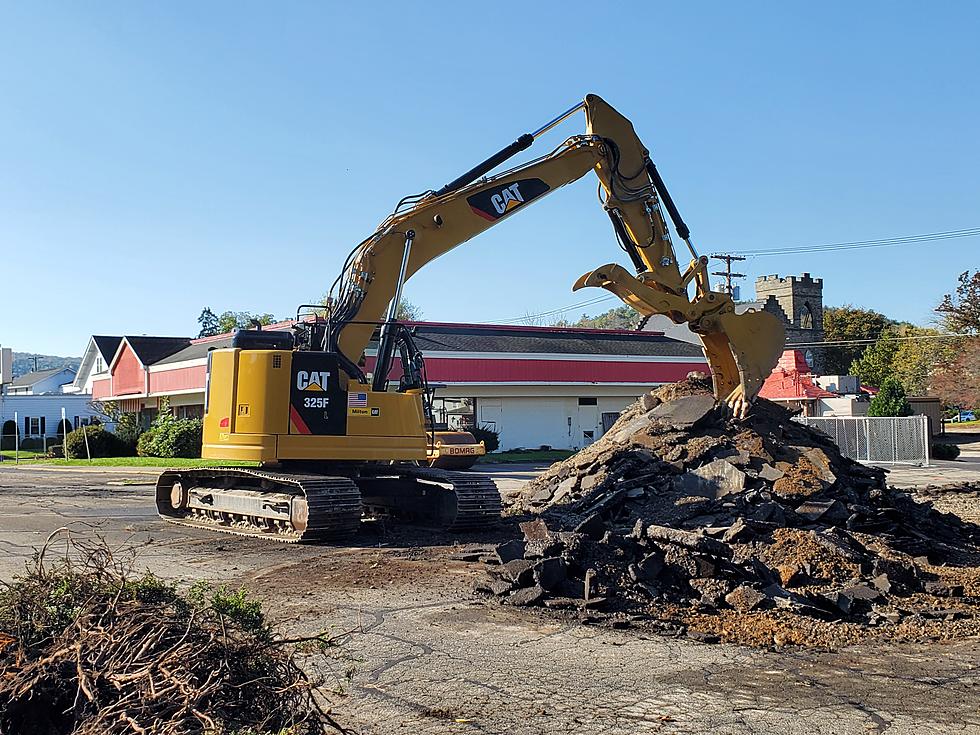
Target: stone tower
x: 798, y: 301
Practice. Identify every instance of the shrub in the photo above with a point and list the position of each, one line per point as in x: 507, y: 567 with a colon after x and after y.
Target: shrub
x: 128, y: 429
x: 56, y: 450
x: 145, y: 445
x: 32, y: 444
x: 488, y: 436
x: 890, y: 401
x: 171, y: 437
x: 101, y: 443
x: 945, y: 451
x: 182, y: 438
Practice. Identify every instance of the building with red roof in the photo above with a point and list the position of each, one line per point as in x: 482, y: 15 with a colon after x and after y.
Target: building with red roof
x: 555, y: 386
x: 793, y: 384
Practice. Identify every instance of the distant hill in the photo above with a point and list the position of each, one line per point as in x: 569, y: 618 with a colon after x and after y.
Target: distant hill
x: 24, y: 362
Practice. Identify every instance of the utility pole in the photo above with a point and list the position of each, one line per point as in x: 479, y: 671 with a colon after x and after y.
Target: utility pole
x: 728, y: 258
x: 35, y: 363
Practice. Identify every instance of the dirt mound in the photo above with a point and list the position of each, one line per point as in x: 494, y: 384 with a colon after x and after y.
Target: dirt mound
x: 757, y: 531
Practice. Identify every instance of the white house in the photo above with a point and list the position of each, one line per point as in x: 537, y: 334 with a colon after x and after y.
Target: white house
x: 95, y: 362
x: 38, y: 417
x: 41, y: 382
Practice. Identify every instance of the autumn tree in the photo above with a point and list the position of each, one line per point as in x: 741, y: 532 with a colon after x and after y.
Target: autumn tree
x: 959, y: 383
x: 960, y: 311
x: 846, y: 323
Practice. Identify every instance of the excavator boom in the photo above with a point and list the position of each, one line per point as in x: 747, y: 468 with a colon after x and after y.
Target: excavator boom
x: 741, y: 349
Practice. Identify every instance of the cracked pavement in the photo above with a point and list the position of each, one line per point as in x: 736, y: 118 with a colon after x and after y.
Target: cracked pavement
x: 432, y: 658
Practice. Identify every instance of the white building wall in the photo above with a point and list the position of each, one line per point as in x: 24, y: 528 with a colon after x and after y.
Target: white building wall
x: 843, y: 406
x: 529, y: 422
x: 843, y: 384
x: 91, y: 377
x: 47, y: 406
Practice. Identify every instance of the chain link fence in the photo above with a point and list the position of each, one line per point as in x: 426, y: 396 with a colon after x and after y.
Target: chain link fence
x: 878, y: 440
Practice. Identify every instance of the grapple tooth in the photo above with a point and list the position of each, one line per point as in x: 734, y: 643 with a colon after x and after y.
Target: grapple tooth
x: 741, y: 354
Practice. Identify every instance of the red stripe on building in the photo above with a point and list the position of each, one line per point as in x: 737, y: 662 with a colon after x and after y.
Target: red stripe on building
x: 466, y: 370
x: 186, y: 378
x: 475, y: 370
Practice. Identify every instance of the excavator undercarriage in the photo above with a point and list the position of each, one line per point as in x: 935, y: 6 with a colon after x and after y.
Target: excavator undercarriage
x: 324, y: 503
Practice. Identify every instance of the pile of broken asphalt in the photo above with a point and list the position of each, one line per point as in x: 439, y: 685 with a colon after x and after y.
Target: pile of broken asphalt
x: 755, y: 531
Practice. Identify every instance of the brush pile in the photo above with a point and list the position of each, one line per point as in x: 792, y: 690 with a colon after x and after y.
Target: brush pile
x: 680, y: 514
x: 87, y: 648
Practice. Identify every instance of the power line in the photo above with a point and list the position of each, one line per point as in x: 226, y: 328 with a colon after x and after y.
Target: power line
x: 763, y: 252
x: 856, y: 342
x: 551, y: 312
x: 862, y: 244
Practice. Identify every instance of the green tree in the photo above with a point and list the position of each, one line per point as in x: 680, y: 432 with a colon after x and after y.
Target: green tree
x: 876, y: 363
x: 916, y: 360
x: 620, y: 317
x: 408, y: 312
x: 890, y: 401
x: 848, y: 322
x: 231, y: 320
x: 960, y: 312
x: 209, y: 323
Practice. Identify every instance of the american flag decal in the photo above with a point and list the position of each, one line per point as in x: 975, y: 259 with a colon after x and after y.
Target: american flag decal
x: 357, y: 400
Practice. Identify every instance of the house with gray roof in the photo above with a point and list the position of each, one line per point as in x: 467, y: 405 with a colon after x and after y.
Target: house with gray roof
x: 41, y: 382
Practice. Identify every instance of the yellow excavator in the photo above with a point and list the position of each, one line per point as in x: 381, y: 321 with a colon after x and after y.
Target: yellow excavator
x: 336, y: 442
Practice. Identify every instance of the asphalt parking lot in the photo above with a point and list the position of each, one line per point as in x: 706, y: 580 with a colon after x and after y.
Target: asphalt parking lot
x: 432, y: 657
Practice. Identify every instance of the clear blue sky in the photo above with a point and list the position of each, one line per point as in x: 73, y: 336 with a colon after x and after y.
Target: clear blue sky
x: 156, y: 158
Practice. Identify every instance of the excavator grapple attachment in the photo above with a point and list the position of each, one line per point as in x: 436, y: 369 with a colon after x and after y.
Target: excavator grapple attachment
x: 741, y: 353
x: 741, y: 349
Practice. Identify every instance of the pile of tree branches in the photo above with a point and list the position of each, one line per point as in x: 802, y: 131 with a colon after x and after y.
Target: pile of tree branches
x: 86, y: 647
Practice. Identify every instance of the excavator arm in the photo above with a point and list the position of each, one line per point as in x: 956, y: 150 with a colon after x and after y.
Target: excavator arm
x: 741, y: 348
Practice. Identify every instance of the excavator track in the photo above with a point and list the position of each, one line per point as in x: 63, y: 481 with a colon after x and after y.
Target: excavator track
x: 293, y: 508
x: 426, y: 496
x: 282, y: 507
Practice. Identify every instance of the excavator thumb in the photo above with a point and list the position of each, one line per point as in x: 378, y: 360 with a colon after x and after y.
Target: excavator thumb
x: 741, y: 349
